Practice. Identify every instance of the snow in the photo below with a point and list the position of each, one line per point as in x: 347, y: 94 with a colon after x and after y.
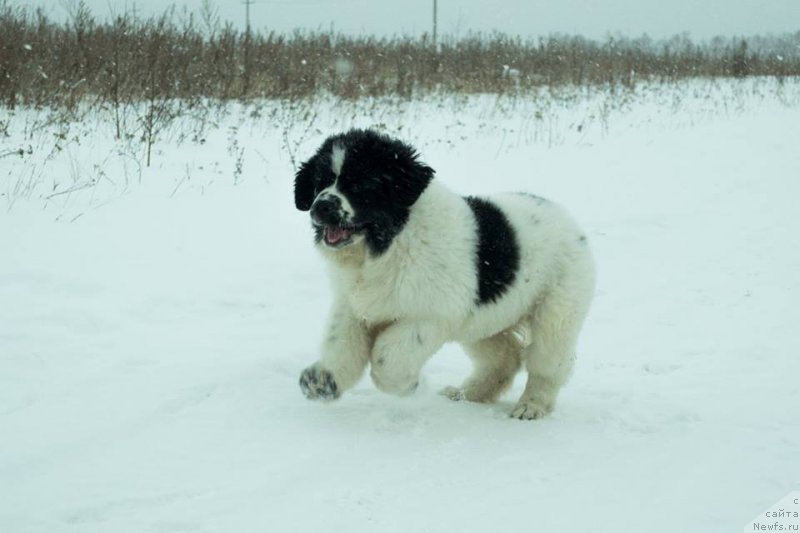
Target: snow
x: 154, y: 323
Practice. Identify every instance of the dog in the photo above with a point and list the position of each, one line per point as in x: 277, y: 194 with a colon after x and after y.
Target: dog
x: 414, y: 265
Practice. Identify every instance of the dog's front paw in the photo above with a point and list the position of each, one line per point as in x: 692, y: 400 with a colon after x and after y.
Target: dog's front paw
x: 318, y: 384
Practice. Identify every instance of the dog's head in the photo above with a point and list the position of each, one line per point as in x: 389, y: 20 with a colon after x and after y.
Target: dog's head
x: 360, y: 185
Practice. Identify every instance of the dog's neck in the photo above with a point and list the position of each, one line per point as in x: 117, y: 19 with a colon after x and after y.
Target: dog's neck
x: 352, y: 256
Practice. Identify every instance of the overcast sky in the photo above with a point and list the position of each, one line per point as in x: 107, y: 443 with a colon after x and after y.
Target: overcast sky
x: 530, y: 18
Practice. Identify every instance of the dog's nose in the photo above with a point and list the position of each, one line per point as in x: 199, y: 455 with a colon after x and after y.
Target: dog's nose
x: 326, y: 210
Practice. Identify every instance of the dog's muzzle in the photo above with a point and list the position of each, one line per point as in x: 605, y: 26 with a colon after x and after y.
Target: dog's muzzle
x: 327, y: 211
x: 328, y: 214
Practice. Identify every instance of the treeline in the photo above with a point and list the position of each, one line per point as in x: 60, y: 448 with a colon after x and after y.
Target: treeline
x: 181, y: 55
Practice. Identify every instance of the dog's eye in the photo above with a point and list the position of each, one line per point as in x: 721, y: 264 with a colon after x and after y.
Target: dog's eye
x: 323, y: 182
x: 363, y: 185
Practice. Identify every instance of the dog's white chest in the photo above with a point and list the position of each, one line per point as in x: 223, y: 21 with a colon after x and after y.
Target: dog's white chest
x: 375, y: 298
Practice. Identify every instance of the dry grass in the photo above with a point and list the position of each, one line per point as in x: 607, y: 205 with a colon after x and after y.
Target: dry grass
x: 181, y: 56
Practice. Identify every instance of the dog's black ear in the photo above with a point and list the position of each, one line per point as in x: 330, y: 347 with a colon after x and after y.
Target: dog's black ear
x: 304, y: 185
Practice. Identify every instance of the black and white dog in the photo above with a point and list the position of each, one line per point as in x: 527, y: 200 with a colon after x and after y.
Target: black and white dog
x: 414, y: 265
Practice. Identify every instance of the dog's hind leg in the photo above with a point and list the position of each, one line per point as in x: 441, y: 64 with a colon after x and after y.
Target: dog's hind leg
x: 496, y: 361
x: 555, y: 324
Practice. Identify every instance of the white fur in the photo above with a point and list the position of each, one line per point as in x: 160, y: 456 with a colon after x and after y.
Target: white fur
x: 337, y: 159
x: 396, y: 310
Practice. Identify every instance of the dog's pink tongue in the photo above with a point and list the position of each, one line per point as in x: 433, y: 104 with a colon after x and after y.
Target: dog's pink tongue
x: 335, y: 235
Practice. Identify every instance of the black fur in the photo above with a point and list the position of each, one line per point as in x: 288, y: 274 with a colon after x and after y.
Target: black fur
x: 381, y: 178
x: 304, y: 185
x: 497, y: 256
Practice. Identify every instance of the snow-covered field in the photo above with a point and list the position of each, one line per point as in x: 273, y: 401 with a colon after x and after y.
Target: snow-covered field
x: 154, y: 321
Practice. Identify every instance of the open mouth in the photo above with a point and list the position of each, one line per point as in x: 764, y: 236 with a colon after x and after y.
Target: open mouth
x: 339, y: 235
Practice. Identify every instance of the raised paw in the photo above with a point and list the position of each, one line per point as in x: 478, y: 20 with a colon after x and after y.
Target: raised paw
x: 399, y: 383
x: 318, y: 384
x: 529, y: 411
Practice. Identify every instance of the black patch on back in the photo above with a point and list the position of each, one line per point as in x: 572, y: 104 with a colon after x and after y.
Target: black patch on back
x: 497, y: 256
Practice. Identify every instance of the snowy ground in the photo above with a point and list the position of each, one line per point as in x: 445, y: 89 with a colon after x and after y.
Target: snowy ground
x: 154, y: 322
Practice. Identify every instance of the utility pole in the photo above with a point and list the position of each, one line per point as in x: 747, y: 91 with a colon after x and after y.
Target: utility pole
x: 434, y: 22
x: 246, y: 77
x: 247, y: 4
